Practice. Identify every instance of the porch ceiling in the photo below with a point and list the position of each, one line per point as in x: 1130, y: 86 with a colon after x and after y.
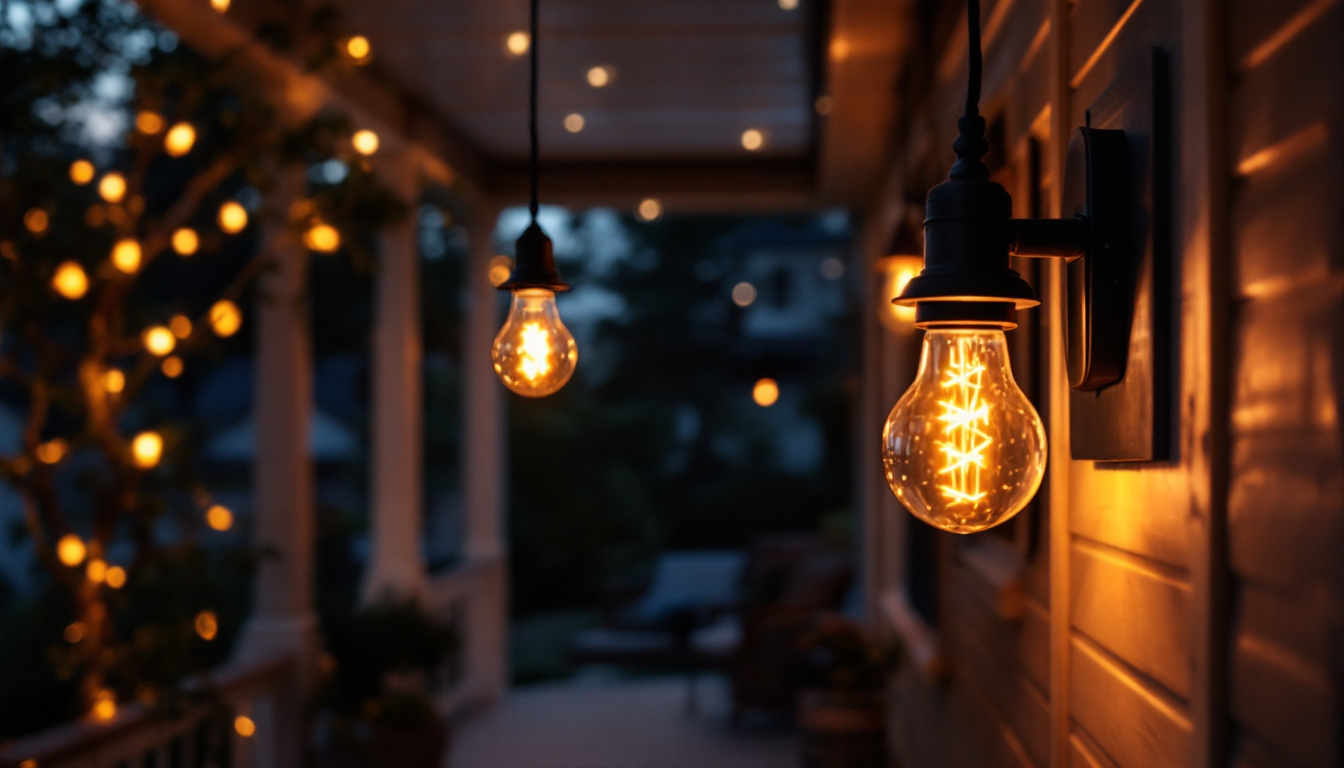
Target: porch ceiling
x: 689, y: 77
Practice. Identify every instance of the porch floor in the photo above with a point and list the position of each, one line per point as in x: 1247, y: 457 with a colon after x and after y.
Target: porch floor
x: 613, y: 723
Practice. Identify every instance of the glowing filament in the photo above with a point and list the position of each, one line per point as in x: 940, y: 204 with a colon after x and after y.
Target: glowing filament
x: 535, y: 352
x: 964, y: 415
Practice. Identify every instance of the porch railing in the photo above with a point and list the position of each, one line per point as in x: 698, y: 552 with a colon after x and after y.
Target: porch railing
x: 250, y: 709
x: 474, y: 598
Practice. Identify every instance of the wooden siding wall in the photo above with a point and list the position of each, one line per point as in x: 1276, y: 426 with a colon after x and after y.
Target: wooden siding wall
x: 1188, y: 612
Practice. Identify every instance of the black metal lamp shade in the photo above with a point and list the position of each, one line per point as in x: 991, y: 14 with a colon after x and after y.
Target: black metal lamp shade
x: 534, y: 263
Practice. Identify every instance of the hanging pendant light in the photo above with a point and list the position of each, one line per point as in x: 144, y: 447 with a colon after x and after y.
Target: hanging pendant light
x: 534, y: 354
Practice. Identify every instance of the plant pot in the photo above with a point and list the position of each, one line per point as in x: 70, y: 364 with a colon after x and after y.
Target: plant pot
x: 842, y: 729
x: 420, y: 746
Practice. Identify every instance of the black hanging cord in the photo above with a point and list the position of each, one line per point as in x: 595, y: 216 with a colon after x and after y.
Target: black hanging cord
x: 970, y: 145
x: 532, y: 112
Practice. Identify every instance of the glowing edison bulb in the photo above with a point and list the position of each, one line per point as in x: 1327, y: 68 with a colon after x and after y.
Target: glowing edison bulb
x: 534, y: 353
x: 964, y: 449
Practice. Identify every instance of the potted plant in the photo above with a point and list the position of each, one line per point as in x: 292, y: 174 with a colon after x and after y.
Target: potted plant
x: 374, y: 706
x: 842, y: 698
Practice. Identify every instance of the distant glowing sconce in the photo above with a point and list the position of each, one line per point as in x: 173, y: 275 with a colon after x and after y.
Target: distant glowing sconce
x: 964, y: 450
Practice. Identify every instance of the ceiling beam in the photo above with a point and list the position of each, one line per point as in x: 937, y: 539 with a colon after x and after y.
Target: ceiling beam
x: 704, y: 186
x: 401, y: 123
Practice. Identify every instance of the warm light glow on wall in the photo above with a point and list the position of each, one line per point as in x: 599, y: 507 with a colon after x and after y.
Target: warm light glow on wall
x: 517, y: 43
x: 186, y: 241
x: 147, y: 448
x: 51, y: 451
x: 159, y: 340
x: 574, y: 122
x: 36, y: 221
x: 600, y: 76
x: 206, y: 625
x: 219, y: 517
x: 225, y: 318
x: 744, y: 294
x: 358, y: 48
x: 126, y: 256
x: 753, y: 139
x: 788, y: 5
x: 220, y: 5
x: 365, y: 142
x: 70, y: 280
x: 81, y: 172
x: 765, y: 392
x: 70, y: 550
x: 649, y: 209
x: 500, y: 268
x: 896, y: 271
x: 232, y: 217
x: 322, y: 238
x: 148, y: 122
x: 112, y: 187
x: 179, y: 140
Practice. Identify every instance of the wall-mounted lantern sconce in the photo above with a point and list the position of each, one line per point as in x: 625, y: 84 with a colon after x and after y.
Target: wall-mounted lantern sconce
x: 963, y: 449
x: 904, y: 259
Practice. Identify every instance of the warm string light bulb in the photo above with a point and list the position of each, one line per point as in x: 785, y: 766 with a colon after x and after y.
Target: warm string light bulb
x: 964, y: 450
x: 534, y: 353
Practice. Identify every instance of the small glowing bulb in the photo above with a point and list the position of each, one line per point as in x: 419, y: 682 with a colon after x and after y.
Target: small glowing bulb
x: 243, y: 726
x: 36, y: 221
x: 172, y: 367
x: 74, y: 632
x: 898, y: 270
x: 158, y: 340
x: 649, y: 209
x: 220, y: 5
x: 788, y: 5
x: 81, y: 172
x: 114, y: 381
x: 501, y: 267
x: 534, y: 353
x: 70, y: 550
x: 517, y: 43
x: 322, y: 238
x: 964, y: 449
x: 70, y: 280
x: 180, y: 325
x: 104, y: 707
x: 51, y: 451
x: 148, y: 122
x: 225, y: 318
x: 599, y: 76
x: 179, y: 140
x: 219, y: 517
x: 744, y: 294
x: 126, y: 256
x: 112, y: 187
x: 116, y: 577
x: 358, y: 48
x: 765, y: 392
x: 207, y: 625
x: 232, y: 217
x: 96, y: 571
x: 365, y: 142
x: 147, y: 448
x: 574, y: 122
x: 186, y: 241
x: 753, y: 139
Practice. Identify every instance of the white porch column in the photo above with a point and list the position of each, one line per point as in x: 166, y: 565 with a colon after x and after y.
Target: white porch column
x: 397, y: 565
x: 282, y: 618
x: 483, y: 466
